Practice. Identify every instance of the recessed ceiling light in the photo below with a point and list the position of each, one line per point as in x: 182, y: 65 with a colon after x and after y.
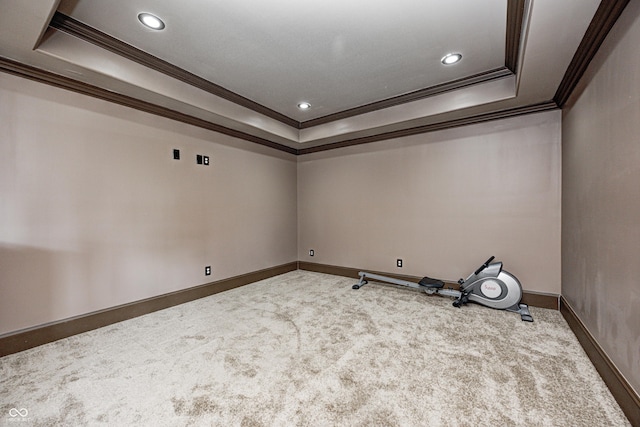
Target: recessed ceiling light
x: 151, y: 21
x: 304, y: 106
x: 451, y: 58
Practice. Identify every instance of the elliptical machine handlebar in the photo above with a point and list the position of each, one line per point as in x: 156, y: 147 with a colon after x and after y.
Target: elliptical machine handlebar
x: 483, y: 266
x: 478, y: 271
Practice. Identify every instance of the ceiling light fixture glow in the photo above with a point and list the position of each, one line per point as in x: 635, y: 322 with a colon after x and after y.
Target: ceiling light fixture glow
x: 304, y: 106
x: 451, y: 58
x: 151, y: 21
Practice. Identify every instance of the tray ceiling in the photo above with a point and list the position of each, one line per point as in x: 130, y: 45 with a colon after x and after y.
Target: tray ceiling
x: 368, y: 69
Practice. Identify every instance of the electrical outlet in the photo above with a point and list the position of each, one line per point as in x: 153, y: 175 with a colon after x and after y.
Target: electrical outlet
x: 311, y: 252
x: 205, y: 160
x: 207, y: 270
x: 399, y: 263
x: 176, y: 154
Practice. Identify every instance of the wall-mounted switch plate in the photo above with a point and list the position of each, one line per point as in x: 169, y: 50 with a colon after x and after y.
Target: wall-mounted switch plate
x: 199, y: 159
x: 207, y: 270
x: 311, y: 252
x: 399, y: 263
x: 176, y: 154
x: 205, y: 160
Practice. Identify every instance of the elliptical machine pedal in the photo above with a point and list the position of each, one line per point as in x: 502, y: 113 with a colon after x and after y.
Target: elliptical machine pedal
x: 523, y: 309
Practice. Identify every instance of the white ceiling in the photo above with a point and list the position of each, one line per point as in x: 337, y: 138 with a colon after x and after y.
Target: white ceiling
x: 335, y: 54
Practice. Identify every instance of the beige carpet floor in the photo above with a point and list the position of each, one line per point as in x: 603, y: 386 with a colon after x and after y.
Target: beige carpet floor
x: 304, y: 349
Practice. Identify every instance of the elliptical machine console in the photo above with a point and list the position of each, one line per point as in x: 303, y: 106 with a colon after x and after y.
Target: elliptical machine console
x: 488, y: 285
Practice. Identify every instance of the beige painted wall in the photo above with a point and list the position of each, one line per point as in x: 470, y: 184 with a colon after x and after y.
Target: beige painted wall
x: 94, y: 211
x: 442, y: 201
x: 601, y: 203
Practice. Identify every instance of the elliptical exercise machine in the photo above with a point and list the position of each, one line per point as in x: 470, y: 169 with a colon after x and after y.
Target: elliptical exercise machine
x: 489, y: 285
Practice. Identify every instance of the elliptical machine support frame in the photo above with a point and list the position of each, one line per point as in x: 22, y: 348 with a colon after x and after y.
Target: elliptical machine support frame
x: 488, y: 285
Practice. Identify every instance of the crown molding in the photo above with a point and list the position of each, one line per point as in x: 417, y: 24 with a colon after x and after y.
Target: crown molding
x: 479, y: 78
x: 604, y: 19
x: 465, y: 121
x: 47, y: 77
x: 515, y: 18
